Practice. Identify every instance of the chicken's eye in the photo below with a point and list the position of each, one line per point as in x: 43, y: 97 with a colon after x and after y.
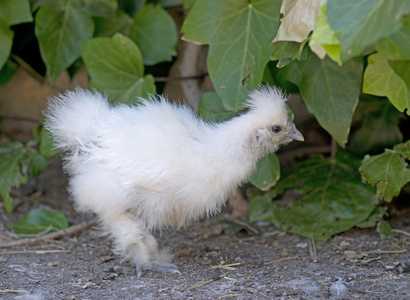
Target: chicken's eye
x: 276, y: 129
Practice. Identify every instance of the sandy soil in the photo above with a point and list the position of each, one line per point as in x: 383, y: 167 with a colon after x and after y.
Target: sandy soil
x: 213, y: 265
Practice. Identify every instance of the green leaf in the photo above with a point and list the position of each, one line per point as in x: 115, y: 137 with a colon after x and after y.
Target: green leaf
x: 361, y: 23
x: 212, y: 109
x: 46, y: 148
x: 16, y: 160
x: 171, y: 3
x: 101, y: 8
x: 60, y: 35
x: 15, y: 11
x: 389, y: 171
x: 384, y: 229
x: 267, y: 172
x: 373, y: 219
x: 396, y: 46
x: 105, y: 27
x: 335, y: 199
x: 324, y: 38
x: 8, y: 202
x: 261, y: 206
x: 390, y: 79
x: 6, y: 41
x: 155, y: 33
x: 239, y: 34
x: 188, y: 3
x: 40, y: 221
x: 325, y: 212
x: 12, y: 157
x: 379, y: 126
x: 115, y: 66
x: 287, y: 52
x: 8, y: 70
x: 331, y: 92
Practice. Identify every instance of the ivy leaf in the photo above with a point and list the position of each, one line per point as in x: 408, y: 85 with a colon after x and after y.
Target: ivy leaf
x: 396, y: 46
x: 389, y: 171
x: 60, y: 34
x: 383, y: 228
x: 379, y: 126
x: 287, y: 52
x: 101, y: 8
x: 261, y: 206
x: 6, y: 41
x: 267, y: 172
x: 43, y: 137
x: 324, y: 39
x: 361, y: 23
x: 12, y: 12
x: 8, y: 70
x: 15, y: 11
x: 16, y: 160
x: 390, y: 79
x: 298, y: 21
x: 212, y: 109
x: 331, y: 92
x: 239, y: 34
x: 105, y: 27
x: 117, y: 57
x: 335, y: 199
x: 373, y: 219
x: 40, y: 221
x: 155, y: 33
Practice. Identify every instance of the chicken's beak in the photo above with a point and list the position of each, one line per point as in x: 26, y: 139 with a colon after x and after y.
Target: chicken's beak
x: 296, y: 135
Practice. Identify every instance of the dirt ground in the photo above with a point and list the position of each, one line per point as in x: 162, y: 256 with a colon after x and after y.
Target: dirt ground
x: 213, y: 265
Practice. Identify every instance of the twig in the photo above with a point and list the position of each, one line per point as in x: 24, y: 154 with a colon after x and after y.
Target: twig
x: 386, y: 251
x: 229, y: 296
x: 35, y: 252
x: 226, y: 267
x: 312, y: 249
x: 243, y: 224
x: 206, y: 282
x: 50, y: 236
x: 179, y: 78
x: 28, y: 68
x: 400, y: 231
x: 278, y: 260
x: 37, y: 76
x: 12, y: 291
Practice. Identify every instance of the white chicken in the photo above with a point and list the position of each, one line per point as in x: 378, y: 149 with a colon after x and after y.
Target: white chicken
x: 157, y: 165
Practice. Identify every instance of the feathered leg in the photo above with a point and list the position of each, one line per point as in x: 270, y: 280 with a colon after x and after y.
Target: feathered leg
x: 94, y: 190
x: 138, y: 245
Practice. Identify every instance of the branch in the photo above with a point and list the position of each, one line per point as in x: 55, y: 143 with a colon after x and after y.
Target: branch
x: 51, y: 236
x: 28, y: 68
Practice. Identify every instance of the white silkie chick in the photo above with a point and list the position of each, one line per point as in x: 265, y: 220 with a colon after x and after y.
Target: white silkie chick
x: 157, y: 165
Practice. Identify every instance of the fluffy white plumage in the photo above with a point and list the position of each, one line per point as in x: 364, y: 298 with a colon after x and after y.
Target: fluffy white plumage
x: 158, y: 165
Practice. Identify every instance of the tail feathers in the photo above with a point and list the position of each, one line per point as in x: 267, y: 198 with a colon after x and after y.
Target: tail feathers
x: 73, y: 117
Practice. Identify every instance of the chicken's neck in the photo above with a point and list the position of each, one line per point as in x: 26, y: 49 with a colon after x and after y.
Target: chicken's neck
x: 233, y: 141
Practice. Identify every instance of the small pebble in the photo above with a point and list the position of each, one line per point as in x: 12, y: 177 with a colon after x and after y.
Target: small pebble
x: 301, y: 245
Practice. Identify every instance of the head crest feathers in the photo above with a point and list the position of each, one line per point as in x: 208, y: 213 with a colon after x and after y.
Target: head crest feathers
x: 267, y: 98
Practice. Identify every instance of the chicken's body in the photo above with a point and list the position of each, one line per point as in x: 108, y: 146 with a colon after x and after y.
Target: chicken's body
x: 157, y: 165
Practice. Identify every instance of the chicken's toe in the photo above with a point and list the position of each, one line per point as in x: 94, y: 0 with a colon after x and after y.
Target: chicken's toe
x: 168, y: 268
x: 163, y: 267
